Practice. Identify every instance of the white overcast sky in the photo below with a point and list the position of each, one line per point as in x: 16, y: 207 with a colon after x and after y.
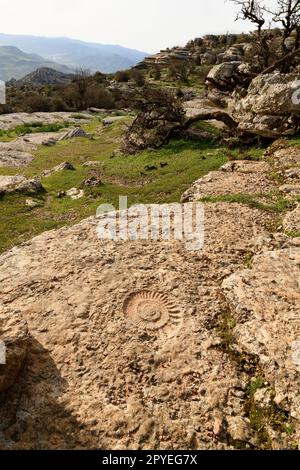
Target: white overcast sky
x: 147, y: 25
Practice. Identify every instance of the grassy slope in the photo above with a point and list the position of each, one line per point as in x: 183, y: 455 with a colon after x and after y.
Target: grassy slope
x: 186, y: 161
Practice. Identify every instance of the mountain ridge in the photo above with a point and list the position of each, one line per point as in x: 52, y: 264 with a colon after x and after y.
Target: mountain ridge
x: 75, y: 53
x: 15, y: 63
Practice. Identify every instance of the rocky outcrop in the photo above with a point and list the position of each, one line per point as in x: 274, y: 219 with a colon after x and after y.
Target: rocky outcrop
x: 271, y: 107
x: 265, y: 301
x: 18, y: 183
x: 234, y: 178
x: 11, y: 121
x: 14, y: 158
x: 291, y: 222
x: 44, y: 76
x: 209, y: 50
x: 72, y: 133
x: 98, y: 354
x: 227, y: 75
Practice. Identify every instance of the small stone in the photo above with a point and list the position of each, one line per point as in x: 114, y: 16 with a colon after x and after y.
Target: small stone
x: 238, y: 428
x: 31, y: 203
x: 75, y: 193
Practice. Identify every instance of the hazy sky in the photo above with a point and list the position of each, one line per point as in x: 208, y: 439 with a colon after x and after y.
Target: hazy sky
x: 148, y: 25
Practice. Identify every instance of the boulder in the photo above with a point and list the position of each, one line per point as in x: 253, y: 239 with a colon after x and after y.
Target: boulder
x: 49, y: 142
x: 72, y: 133
x: 111, y: 120
x: 93, y: 180
x: 227, y: 75
x: 270, y: 108
x: 208, y: 58
x: 18, y: 183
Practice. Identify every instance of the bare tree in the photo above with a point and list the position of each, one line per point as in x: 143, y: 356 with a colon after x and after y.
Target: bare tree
x: 81, y: 83
x: 287, y: 13
x: 253, y: 11
x: 161, y: 115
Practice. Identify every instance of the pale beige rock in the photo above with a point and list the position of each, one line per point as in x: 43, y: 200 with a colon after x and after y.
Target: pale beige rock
x: 126, y: 348
x: 234, y: 178
x: 75, y: 193
x: 239, y: 428
x: 265, y: 301
x: 291, y: 221
x: 16, y: 153
x: 270, y: 108
x: 18, y: 183
x: 10, y: 121
x: 93, y: 371
x: 61, y: 167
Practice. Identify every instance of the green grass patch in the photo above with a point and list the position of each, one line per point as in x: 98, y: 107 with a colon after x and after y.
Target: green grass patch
x: 277, y: 204
x: 34, y: 127
x: 270, y: 417
x: 158, y: 176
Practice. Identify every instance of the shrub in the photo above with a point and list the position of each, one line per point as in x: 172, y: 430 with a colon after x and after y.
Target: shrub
x: 123, y: 76
x: 99, y: 97
x: 38, y: 103
x: 138, y: 77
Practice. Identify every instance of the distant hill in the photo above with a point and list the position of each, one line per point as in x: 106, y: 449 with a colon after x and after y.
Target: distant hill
x: 43, y: 76
x: 75, y: 53
x: 15, y: 63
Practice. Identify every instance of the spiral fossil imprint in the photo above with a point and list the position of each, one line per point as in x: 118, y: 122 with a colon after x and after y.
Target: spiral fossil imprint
x: 152, y: 311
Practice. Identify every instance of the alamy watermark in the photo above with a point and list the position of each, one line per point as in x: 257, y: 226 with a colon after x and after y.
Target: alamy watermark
x: 184, y: 222
x: 2, y: 353
x: 2, y: 92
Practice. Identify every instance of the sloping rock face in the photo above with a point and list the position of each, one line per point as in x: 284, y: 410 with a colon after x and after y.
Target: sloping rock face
x: 16, y: 154
x: 123, y: 352
x: 266, y: 301
x: 235, y: 178
x: 271, y: 107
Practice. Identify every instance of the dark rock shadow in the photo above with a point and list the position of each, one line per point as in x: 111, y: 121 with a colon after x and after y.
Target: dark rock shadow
x: 32, y: 414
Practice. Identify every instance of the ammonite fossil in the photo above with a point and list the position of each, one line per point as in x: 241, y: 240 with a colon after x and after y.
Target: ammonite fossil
x: 152, y: 311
